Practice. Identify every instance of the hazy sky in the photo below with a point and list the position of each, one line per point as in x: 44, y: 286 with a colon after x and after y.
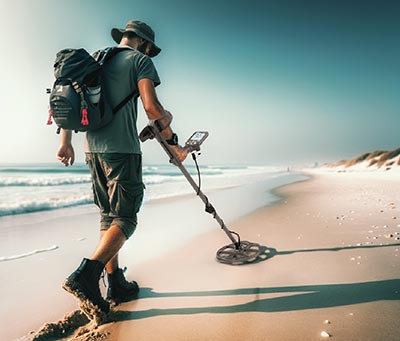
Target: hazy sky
x: 274, y: 82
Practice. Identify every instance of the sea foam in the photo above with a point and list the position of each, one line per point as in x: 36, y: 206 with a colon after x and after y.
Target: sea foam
x: 27, y: 254
x: 43, y: 181
x: 31, y: 205
x: 34, y: 188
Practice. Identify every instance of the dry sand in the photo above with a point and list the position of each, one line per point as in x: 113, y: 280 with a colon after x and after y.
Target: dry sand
x: 333, y: 269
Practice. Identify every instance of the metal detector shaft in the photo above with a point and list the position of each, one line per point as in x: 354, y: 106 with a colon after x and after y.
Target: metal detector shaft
x: 209, y: 208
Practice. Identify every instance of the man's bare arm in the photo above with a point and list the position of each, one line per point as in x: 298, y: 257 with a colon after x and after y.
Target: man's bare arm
x: 155, y: 111
x: 152, y: 105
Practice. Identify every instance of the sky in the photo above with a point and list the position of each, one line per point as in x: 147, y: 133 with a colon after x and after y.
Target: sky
x: 274, y: 82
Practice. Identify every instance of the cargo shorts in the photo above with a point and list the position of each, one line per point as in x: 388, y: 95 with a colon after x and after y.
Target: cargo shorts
x: 117, y: 188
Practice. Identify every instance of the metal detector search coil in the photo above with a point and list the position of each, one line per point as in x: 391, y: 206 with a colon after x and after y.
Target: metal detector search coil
x: 234, y: 254
x: 237, y: 253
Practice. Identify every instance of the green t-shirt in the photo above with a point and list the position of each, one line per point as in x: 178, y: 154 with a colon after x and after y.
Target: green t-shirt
x: 120, y: 78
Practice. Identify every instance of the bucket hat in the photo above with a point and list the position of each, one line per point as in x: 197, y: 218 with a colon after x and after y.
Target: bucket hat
x: 142, y: 30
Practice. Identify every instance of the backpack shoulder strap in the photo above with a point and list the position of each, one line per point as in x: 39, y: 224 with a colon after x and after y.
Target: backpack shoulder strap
x: 103, y: 56
x: 124, y: 101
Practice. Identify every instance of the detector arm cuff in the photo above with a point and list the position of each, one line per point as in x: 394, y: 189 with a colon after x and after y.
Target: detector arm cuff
x: 163, y: 122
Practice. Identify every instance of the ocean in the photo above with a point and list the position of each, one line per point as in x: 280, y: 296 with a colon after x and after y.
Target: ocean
x: 26, y: 188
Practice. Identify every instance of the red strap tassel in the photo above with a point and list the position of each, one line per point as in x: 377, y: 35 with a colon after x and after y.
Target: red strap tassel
x: 85, y: 120
x: 49, y: 120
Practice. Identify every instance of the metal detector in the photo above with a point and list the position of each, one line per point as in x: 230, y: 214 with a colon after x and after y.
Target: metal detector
x: 240, y: 251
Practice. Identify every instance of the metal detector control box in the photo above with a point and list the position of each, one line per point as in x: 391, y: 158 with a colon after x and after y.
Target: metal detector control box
x: 194, y: 141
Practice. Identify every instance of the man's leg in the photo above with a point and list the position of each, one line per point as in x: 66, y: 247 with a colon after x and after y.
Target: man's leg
x: 113, y: 263
x: 110, y: 243
x: 119, y: 288
x: 109, y: 186
x: 84, y: 281
x: 126, y: 194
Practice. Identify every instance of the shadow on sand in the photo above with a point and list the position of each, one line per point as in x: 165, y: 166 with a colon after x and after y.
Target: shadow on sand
x: 269, y: 252
x: 308, y: 297
x: 299, y: 298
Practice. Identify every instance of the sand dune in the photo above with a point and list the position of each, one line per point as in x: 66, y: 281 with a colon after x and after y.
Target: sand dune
x: 371, y: 161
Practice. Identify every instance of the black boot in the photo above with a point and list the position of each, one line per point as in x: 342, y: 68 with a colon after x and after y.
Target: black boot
x: 84, y: 284
x: 119, y: 289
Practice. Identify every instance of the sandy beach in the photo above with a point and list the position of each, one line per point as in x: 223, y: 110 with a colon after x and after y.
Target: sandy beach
x: 332, y: 268
x: 284, y: 113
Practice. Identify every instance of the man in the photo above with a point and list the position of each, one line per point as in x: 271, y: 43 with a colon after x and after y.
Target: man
x: 114, y: 158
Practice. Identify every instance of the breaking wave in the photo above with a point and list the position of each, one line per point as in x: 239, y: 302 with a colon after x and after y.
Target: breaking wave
x: 33, y: 188
x: 29, y: 206
x: 44, y: 181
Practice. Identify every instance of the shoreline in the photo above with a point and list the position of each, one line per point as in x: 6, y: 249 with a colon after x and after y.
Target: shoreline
x: 25, y: 189
x: 210, y: 187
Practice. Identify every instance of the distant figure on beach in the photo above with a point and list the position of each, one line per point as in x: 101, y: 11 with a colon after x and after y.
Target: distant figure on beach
x: 114, y: 158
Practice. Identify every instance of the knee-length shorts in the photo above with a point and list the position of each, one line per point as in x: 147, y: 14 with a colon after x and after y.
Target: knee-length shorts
x: 117, y: 188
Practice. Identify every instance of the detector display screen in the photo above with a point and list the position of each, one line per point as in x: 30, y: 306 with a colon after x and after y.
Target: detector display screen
x: 196, y: 140
x: 198, y: 136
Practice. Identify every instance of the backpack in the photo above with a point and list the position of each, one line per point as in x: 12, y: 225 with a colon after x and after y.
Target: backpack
x: 76, y: 100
